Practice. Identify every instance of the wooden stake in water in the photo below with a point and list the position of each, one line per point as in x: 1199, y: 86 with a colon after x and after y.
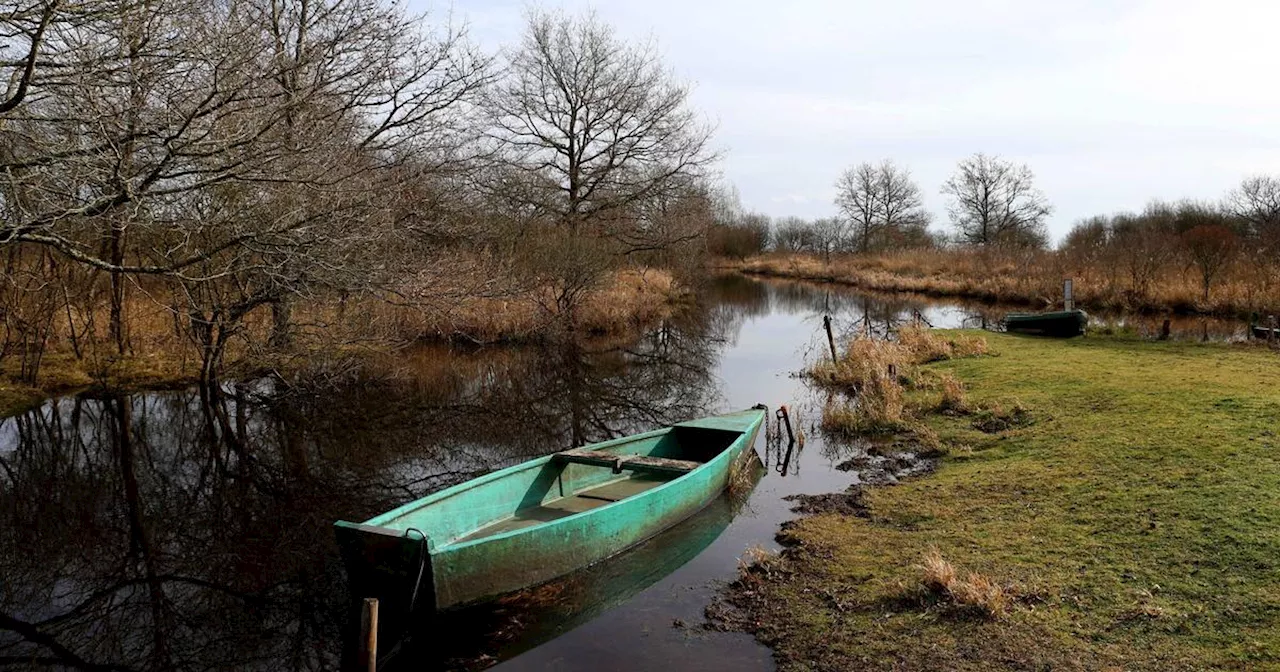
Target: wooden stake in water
x: 1068, y: 301
x: 831, y: 340
x: 785, y: 417
x: 369, y: 635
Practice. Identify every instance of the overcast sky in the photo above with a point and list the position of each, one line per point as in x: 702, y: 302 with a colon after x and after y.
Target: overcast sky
x: 1112, y: 104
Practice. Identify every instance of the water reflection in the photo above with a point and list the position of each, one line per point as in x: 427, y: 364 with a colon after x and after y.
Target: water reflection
x: 476, y: 637
x: 191, y: 529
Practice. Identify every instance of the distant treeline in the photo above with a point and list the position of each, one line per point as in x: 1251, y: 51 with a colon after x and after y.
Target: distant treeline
x: 993, y: 204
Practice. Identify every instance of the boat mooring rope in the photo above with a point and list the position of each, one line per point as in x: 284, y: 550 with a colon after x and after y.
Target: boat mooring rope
x: 422, y: 565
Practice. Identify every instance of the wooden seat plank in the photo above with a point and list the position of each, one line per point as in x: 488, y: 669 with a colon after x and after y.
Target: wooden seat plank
x: 633, y: 462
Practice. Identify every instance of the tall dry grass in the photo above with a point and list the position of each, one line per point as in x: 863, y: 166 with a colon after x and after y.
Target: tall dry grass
x: 970, y: 591
x: 79, y: 351
x: 875, y: 374
x: 1034, y: 278
x: 626, y: 301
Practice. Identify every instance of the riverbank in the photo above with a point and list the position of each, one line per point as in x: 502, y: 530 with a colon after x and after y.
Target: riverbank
x: 1126, y: 520
x: 621, y: 307
x: 1032, y: 279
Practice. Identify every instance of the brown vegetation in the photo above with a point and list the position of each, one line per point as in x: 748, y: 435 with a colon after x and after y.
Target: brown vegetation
x: 1034, y: 278
x: 222, y: 187
x: 76, y: 349
x: 970, y: 592
x: 874, y: 376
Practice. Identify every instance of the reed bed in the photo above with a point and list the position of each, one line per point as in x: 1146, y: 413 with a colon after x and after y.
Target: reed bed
x: 876, y: 374
x: 74, y: 348
x: 1034, y: 278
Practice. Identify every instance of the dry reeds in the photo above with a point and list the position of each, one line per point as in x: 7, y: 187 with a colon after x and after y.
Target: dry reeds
x: 1034, y: 278
x: 971, y: 592
x: 875, y: 374
x: 627, y: 300
x: 953, y: 401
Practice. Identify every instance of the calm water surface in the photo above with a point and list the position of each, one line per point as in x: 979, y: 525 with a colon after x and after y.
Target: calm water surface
x: 174, y: 530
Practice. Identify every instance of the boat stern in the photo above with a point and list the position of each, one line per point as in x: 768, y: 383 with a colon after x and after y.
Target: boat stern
x: 745, y: 422
x: 387, y: 564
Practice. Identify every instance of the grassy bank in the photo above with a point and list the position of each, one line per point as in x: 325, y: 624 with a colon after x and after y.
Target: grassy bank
x: 1129, y: 525
x: 1030, y: 278
x: 625, y: 302
x: 160, y: 356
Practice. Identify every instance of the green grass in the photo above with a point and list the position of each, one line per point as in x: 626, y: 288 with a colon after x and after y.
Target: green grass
x: 1136, y: 522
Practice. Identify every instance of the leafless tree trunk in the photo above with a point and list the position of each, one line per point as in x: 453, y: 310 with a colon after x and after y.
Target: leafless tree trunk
x: 882, y: 203
x: 994, y: 202
x: 859, y: 199
x: 590, y: 127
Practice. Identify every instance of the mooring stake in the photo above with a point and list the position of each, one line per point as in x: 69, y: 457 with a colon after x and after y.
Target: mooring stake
x: 831, y: 341
x: 369, y: 635
x: 785, y: 418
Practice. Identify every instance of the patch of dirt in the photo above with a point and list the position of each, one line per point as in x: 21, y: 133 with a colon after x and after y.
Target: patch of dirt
x: 886, y: 463
x: 995, y: 420
x: 848, y: 503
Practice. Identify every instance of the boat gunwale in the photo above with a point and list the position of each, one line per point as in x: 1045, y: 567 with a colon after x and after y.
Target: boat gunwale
x: 1049, y: 315
x: 382, y: 519
x: 742, y: 434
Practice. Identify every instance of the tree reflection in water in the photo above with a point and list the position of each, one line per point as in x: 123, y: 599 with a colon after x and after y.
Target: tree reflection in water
x: 153, y: 532
x: 192, y: 529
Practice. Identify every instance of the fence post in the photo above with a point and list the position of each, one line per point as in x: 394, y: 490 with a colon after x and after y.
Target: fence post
x: 831, y: 340
x: 369, y: 635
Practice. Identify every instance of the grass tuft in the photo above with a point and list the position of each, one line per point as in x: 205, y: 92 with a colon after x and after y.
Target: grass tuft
x: 970, y: 592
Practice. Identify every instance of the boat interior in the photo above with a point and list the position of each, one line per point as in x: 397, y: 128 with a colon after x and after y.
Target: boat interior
x: 570, y: 482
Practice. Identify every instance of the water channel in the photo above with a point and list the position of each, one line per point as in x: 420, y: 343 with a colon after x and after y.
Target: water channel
x: 152, y: 532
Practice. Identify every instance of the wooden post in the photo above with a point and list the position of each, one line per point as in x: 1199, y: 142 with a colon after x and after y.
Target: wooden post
x: 785, y: 417
x: 369, y: 635
x: 1068, y: 301
x: 1271, y: 333
x: 831, y: 341
x: 1164, y: 330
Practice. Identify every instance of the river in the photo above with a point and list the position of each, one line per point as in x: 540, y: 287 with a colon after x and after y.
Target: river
x: 159, y: 530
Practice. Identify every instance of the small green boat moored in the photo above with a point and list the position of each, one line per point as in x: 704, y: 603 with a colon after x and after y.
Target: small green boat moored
x: 532, y: 522
x: 1064, y: 323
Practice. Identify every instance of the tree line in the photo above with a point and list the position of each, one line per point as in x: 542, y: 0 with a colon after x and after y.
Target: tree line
x: 1132, y: 250
x: 229, y: 161
x: 991, y: 202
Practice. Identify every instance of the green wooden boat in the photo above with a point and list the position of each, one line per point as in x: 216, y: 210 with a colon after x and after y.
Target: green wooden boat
x: 1064, y: 323
x: 532, y: 522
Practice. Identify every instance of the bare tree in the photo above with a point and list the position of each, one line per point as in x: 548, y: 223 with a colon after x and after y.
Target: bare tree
x: 830, y: 235
x: 1143, y: 245
x: 882, y: 204
x: 859, y: 198
x: 589, y: 127
x: 1256, y: 203
x: 244, y: 151
x: 901, y: 204
x: 793, y: 234
x: 995, y: 202
x: 1210, y: 247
